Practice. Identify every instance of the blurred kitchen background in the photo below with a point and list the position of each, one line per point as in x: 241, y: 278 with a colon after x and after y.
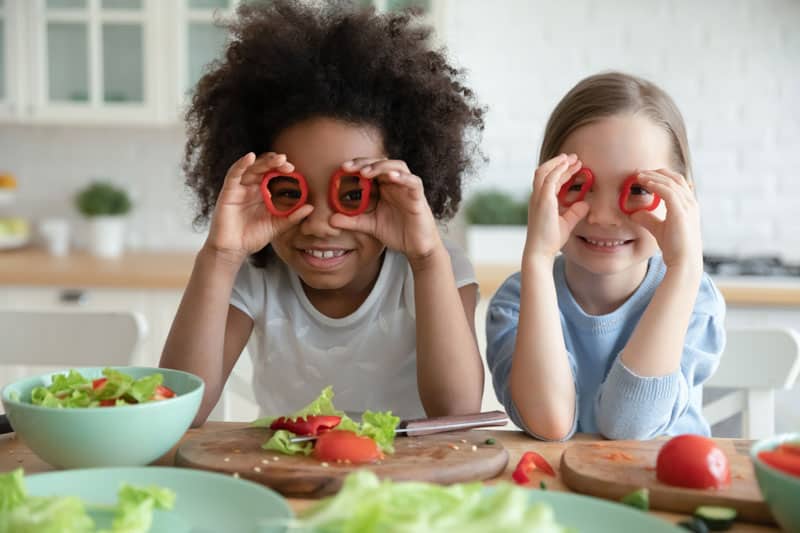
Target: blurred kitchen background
x: 94, y: 90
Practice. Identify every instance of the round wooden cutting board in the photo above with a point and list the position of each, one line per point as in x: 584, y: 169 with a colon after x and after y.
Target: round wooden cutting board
x: 613, y: 469
x: 440, y: 458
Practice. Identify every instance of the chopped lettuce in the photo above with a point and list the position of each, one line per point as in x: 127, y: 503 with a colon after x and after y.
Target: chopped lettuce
x: 74, y: 390
x: 377, y: 426
x: 21, y: 513
x: 367, y: 504
x: 281, y: 442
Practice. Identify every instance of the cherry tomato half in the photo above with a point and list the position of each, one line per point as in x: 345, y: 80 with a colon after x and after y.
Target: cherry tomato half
x: 338, y: 445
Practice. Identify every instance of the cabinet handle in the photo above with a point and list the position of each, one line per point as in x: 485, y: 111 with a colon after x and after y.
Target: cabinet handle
x: 73, y: 296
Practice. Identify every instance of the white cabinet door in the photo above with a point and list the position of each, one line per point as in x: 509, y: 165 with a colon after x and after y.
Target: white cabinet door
x: 94, y: 61
x: 12, y: 67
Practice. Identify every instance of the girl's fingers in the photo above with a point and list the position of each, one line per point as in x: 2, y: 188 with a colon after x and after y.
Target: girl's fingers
x: 358, y: 163
x: 238, y: 168
x: 364, y: 223
x: 575, y: 213
x: 383, y: 167
x: 547, y: 167
x: 649, y: 220
x: 265, y: 163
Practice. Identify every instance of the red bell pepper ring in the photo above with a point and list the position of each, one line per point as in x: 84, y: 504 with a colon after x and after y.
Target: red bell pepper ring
x: 529, y: 462
x: 365, y: 186
x: 626, y: 192
x: 585, y: 186
x: 266, y: 193
x: 311, y: 425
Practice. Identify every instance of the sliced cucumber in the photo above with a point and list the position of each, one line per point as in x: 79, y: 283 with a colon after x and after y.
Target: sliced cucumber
x: 639, y: 498
x: 694, y: 524
x: 716, y: 518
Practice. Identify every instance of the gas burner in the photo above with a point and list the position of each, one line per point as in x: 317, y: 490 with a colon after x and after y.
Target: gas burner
x: 765, y: 265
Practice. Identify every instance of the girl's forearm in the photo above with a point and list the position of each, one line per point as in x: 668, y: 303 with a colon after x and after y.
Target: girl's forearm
x: 656, y: 345
x: 449, y: 368
x: 196, y: 338
x: 541, y: 381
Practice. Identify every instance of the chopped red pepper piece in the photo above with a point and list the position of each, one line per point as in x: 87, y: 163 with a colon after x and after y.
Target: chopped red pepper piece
x: 97, y: 383
x: 783, y: 461
x: 529, y: 462
x: 108, y: 403
x: 310, y: 425
x: 163, y: 392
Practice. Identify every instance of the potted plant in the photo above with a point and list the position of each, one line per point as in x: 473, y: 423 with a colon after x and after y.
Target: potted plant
x: 105, y: 205
x: 497, y: 227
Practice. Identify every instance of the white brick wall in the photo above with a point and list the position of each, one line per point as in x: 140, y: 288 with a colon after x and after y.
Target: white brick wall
x: 733, y: 68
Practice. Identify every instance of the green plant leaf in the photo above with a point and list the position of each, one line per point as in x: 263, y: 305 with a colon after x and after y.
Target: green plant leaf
x: 102, y: 198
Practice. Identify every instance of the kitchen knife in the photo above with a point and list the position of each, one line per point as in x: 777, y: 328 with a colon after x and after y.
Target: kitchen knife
x: 441, y: 424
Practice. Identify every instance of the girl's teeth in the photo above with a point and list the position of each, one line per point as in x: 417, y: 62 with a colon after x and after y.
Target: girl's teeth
x: 327, y: 254
x: 605, y: 243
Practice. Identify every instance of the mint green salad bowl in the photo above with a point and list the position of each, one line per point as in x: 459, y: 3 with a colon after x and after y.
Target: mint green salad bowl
x: 129, y: 435
x: 780, y: 489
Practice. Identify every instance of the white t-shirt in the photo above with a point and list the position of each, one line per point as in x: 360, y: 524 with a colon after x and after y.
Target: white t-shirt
x: 369, y: 356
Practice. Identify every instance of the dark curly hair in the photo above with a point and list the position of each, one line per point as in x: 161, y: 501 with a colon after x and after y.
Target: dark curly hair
x: 288, y: 61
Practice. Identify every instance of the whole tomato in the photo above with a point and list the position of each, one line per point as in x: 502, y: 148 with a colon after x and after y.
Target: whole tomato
x: 694, y: 462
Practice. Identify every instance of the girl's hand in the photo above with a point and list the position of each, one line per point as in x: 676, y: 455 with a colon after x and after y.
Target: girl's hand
x: 549, y: 225
x: 678, y: 235
x: 402, y: 219
x: 241, y: 224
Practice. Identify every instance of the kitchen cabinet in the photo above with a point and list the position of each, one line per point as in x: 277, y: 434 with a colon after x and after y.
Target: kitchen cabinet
x: 93, y: 61
x: 115, y: 61
x: 12, y: 85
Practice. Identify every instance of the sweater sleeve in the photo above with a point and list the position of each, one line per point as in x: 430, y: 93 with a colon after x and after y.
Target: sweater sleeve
x: 628, y: 406
x: 502, y: 323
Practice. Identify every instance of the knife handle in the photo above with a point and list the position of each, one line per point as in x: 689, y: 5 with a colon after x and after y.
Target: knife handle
x: 442, y: 424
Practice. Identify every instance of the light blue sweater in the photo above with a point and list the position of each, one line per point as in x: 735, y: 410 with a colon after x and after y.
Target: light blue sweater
x: 610, y: 399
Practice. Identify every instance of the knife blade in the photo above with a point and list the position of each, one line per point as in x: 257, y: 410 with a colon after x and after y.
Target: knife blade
x: 441, y: 424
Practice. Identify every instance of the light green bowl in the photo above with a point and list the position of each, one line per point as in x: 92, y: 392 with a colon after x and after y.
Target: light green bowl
x: 780, y: 490
x: 130, y: 435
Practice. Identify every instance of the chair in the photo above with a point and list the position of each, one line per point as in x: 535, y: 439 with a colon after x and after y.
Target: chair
x: 68, y: 338
x: 755, y: 363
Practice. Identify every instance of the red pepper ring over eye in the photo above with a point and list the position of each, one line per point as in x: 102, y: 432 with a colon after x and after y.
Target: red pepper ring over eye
x: 350, y: 194
x: 635, y: 198
x: 284, y: 192
x: 569, y: 192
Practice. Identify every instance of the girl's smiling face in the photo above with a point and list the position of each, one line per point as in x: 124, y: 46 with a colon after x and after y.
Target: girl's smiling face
x: 607, y: 241
x: 327, y: 258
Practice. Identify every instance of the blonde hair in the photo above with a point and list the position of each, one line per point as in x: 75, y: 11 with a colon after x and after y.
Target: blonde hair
x: 614, y: 93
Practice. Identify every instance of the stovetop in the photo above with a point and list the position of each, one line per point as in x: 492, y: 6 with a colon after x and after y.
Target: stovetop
x: 763, y: 266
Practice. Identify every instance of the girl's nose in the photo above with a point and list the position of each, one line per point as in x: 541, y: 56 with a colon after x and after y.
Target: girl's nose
x: 317, y: 224
x: 603, y: 210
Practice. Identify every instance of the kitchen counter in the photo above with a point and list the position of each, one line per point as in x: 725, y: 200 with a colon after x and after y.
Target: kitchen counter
x: 33, y: 266
x: 738, y: 290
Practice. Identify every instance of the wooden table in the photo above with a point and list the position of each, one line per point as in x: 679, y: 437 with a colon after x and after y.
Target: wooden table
x: 14, y: 453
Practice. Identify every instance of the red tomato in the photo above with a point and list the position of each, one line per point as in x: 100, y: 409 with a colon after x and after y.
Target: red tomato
x: 310, y: 425
x: 99, y: 382
x: 694, y: 462
x: 785, y: 461
x: 163, y: 392
x: 341, y: 445
x: 108, y: 403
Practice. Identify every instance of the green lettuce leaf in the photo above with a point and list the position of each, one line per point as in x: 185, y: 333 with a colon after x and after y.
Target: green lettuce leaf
x: 12, y: 490
x: 280, y: 442
x: 366, y: 504
x: 377, y: 426
x: 135, y: 507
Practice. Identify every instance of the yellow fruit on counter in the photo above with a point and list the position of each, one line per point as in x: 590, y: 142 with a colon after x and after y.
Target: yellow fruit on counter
x: 14, y: 226
x: 8, y: 181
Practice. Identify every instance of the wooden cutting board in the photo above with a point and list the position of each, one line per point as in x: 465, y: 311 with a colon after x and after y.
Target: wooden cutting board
x: 615, y: 468
x: 439, y: 458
